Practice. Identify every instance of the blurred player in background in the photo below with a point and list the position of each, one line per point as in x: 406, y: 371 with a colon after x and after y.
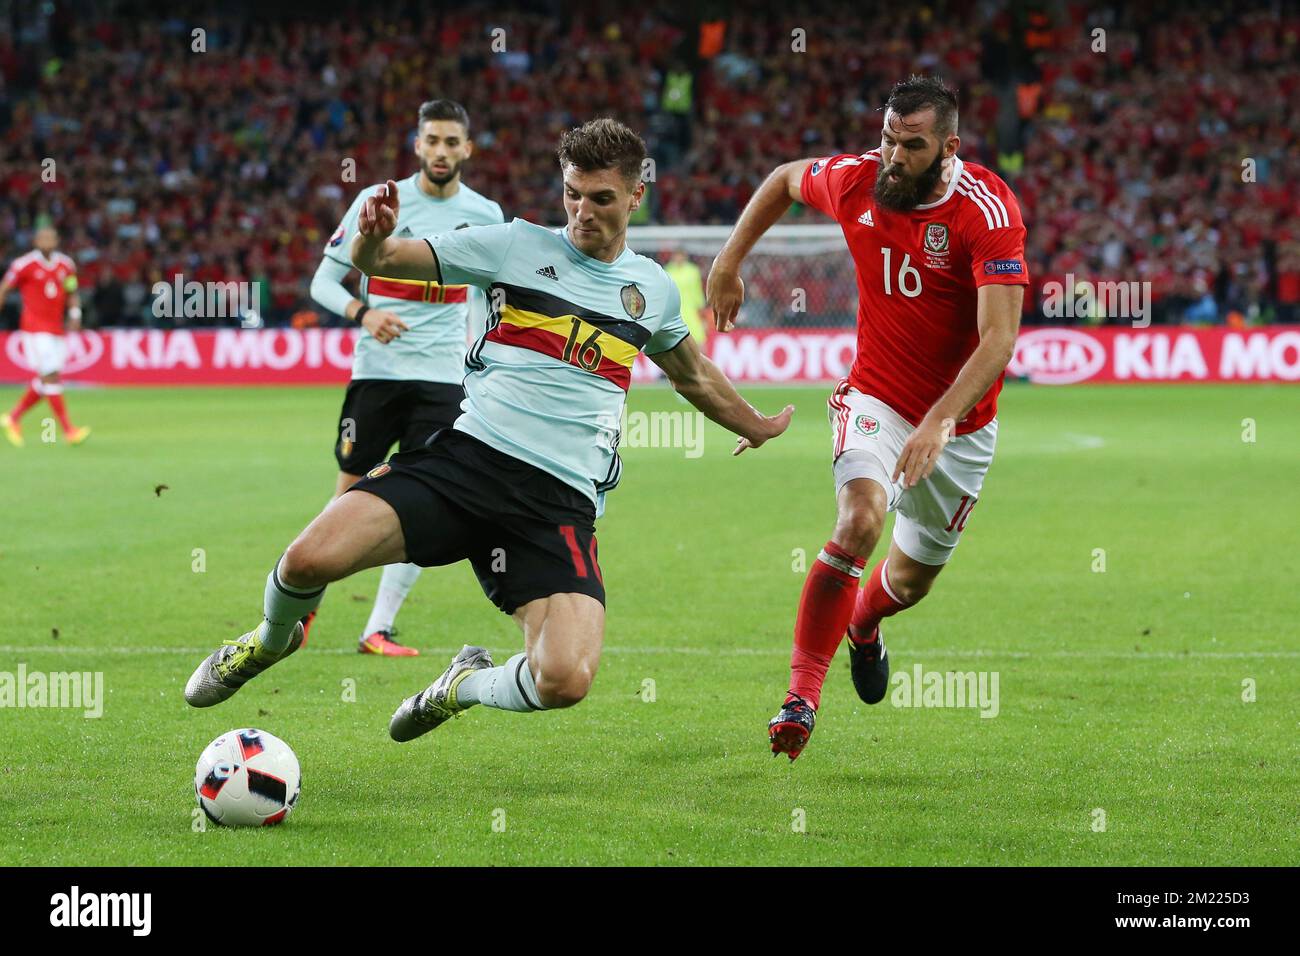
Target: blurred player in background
x: 410, y: 359
x: 516, y: 485
x: 47, y: 281
x: 939, y: 249
x: 690, y: 285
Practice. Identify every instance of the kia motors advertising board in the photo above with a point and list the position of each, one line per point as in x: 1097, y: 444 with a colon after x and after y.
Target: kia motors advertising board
x: 1045, y: 356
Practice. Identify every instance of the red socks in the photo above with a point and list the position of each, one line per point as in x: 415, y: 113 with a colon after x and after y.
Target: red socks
x: 56, y: 402
x: 829, y: 593
x: 875, y: 601
x: 53, y: 394
x: 30, y: 398
x: 830, y: 604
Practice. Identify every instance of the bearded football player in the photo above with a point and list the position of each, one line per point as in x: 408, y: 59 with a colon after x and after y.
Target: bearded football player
x: 939, y: 249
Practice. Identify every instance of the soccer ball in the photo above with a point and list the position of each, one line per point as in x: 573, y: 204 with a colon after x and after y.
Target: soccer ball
x: 247, y: 778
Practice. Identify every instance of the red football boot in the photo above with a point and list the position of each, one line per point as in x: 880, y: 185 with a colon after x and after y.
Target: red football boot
x: 382, y: 643
x: 790, y: 729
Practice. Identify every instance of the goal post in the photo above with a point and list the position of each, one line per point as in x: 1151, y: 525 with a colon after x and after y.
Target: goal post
x: 796, y: 276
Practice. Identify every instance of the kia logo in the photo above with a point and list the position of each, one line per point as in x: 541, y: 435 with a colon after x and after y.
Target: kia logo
x: 84, y: 350
x: 1057, y: 356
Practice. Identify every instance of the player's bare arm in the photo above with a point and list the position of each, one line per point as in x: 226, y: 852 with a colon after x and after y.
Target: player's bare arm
x: 998, y: 319
x: 725, y: 290
x: 4, y: 291
x: 376, y: 252
x: 328, y: 290
x: 702, y: 384
x: 74, y: 312
x: 384, y: 326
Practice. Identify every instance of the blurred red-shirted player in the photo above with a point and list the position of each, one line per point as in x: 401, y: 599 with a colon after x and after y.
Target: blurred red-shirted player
x: 47, y: 282
x: 938, y: 245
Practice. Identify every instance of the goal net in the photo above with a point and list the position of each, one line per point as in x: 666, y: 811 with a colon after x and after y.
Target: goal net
x: 798, y: 276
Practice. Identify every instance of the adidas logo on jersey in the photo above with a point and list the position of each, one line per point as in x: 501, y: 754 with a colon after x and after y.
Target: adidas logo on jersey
x: 406, y: 231
x: 549, y: 272
x: 866, y: 219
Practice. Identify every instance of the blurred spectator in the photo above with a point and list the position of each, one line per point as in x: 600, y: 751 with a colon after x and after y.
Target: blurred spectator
x: 228, y: 165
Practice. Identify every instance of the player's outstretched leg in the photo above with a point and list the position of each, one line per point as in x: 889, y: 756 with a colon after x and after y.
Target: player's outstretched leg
x: 438, y: 702
x: 395, y: 583
x: 236, y: 662
x: 563, y: 634
x: 355, y: 532
x: 824, y: 609
x: 826, y: 605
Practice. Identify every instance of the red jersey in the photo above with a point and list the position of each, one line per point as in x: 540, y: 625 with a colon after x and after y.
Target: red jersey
x: 44, y: 286
x: 918, y: 272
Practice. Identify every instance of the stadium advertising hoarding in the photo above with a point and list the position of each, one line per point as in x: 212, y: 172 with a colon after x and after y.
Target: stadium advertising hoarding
x: 1048, y: 356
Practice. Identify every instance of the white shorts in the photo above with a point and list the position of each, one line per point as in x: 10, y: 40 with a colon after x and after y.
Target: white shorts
x: 45, y: 352
x: 868, y: 437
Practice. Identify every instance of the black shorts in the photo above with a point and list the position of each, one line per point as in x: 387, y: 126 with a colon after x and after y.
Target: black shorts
x: 527, y: 534
x: 378, y: 414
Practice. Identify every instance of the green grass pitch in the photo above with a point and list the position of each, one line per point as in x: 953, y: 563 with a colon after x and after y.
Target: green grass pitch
x: 1120, y: 691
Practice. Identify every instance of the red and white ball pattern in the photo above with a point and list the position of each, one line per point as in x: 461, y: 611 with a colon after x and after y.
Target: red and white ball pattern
x: 247, y: 778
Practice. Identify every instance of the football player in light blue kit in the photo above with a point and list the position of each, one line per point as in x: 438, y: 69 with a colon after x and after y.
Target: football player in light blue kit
x: 410, y: 358
x: 516, y: 485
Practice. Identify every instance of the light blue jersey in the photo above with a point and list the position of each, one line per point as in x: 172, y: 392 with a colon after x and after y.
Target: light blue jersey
x: 547, y: 381
x: 434, y: 348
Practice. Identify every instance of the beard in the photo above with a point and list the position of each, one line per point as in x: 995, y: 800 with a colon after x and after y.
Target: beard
x: 441, y: 179
x: 907, y: 192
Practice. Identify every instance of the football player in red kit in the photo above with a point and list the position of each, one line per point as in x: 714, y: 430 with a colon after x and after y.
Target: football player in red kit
x: 47, y: 281
x: 939, y: 249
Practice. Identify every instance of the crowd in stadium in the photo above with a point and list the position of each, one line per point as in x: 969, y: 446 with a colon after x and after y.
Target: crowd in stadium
x: 234, y: 162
